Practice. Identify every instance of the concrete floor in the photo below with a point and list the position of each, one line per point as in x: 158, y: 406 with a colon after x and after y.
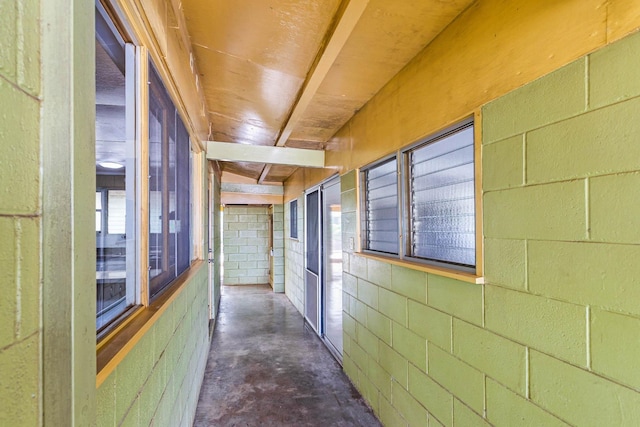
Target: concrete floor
x: 266, y: 369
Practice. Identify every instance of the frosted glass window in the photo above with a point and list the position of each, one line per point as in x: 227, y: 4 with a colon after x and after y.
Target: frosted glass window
x: 293, y: 219
x: 442, y: 199
x: 381, y: 207
x: 117, y: 216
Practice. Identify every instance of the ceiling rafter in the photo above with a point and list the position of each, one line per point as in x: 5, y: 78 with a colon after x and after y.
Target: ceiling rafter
x: 349, y: 19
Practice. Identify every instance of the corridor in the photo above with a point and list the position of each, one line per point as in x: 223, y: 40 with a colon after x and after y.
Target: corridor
x: 265, y: 368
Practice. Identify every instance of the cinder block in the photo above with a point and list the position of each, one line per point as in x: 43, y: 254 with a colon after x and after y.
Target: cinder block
x: 348, y: 181
x: 463, y: 416
x: 430, y: 324
x: 349, y: 225
x: 21, y: 381
x: 437, y: 400
x: 497, y: 357
x: 389, y: 415
x: 611, y: 72
x: 358, y: 266
x: 552, y: 98
x: 601, y: 275
x: 505, y: 408
x: 505, y: 262
x: 580, y: 397
x: 368, y: 390
x: 368, y: 293
x: 379, y: 325
x: 358, y: 355
x: 349, y: 325
x: 8, y: 300
x: 465, y: 382
x: 368, y: 341
x: 248, y: 233
x: 596, y: 143
x: 349, y: 284
x: 247, y: 218
x: 8, y: 33
x: 503, y: 164
x: 409, y: 345
x: 380, y: 378
x: 392, y: 362
x: 408, y: 407
x: 20, y: 153
x: 555, y: 327
x: 410, y: 283
x: 393, y: 306
x: 379, y: 272
x: 544, y: 212
x: 615, y: 346
x: 132, y: 417
x: 614, y: 206
x: 348, y: 201
x: 460, y: 299
x: 106, y: 403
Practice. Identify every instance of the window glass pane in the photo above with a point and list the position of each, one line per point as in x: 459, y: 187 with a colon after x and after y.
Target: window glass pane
x: 442, y: 193
x: 115, y: 162
x: 169, y: 188
x: 381, y: 201
x: 117, y: 208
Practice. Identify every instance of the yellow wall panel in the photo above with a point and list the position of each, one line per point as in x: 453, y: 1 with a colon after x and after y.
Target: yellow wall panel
x: 492, y: 48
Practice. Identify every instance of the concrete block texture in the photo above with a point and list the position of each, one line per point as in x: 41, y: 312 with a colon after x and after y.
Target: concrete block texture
x: 246, y: 254
x: 537, y: 104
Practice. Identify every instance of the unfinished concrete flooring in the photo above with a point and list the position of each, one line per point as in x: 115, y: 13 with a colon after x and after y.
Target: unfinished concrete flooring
x: 266, y: 368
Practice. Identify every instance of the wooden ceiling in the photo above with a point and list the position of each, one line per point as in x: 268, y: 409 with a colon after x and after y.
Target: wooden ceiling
x: 292, y: 73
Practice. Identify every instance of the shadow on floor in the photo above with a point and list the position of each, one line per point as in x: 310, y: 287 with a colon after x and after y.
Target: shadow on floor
x: 265, y: 368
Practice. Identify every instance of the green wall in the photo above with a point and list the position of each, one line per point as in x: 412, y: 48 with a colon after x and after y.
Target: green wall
x: 20, y: 216
x: 294, y: 257
x: 277, y: 260
x: 246, y: 245
x: 553, y: 338
x: 159, y: 380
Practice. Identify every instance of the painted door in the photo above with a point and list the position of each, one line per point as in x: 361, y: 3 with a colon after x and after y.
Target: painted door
x: 312, y: 272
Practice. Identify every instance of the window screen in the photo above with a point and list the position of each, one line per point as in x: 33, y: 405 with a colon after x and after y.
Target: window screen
x: 441, y: 194
x: 381, y: 207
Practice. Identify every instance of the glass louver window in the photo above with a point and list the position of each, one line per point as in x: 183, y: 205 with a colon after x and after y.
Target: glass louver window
x: 442, y: 199
x: 381, y: 207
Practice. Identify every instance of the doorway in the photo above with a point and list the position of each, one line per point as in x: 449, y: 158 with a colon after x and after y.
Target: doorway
x: 323, y: 263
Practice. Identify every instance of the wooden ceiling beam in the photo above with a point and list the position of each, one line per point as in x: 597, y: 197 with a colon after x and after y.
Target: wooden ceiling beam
x: 232, y: 152
x: 349, y: 19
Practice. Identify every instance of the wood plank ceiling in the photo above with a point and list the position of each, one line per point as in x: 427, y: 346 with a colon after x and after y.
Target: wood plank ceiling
x: 293, y: 72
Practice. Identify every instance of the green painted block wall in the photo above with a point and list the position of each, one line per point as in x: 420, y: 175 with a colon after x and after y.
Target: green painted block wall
x: 20, y: 214
x: 158, y: 382
x: 294, y: 257
x: 277, y: 258
x: 246, y: 245
x: 553, y: 336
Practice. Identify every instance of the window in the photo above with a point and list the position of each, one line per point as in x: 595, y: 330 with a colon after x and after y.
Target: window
x: 380, y: 189
x: 169, y: 188
x: 124, y: 279
x: 433, y: 202
x: 293, y: 218
x: 115, y: 172
x: 442, y: 198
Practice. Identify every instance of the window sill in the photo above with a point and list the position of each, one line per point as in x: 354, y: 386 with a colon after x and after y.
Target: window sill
x: 114, y: 347
x: 440, y: 271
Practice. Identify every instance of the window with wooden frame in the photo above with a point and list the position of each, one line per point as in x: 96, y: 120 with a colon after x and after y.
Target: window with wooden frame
x: 142, y: 243
x: 420, y: 205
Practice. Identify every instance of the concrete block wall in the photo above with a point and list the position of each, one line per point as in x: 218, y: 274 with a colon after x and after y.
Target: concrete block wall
x: 553, y: 337
x: 277, y: 260
x: 158, y: 382
x: 20, y: 214
x: 294, y: 255
x: 246, y: 245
